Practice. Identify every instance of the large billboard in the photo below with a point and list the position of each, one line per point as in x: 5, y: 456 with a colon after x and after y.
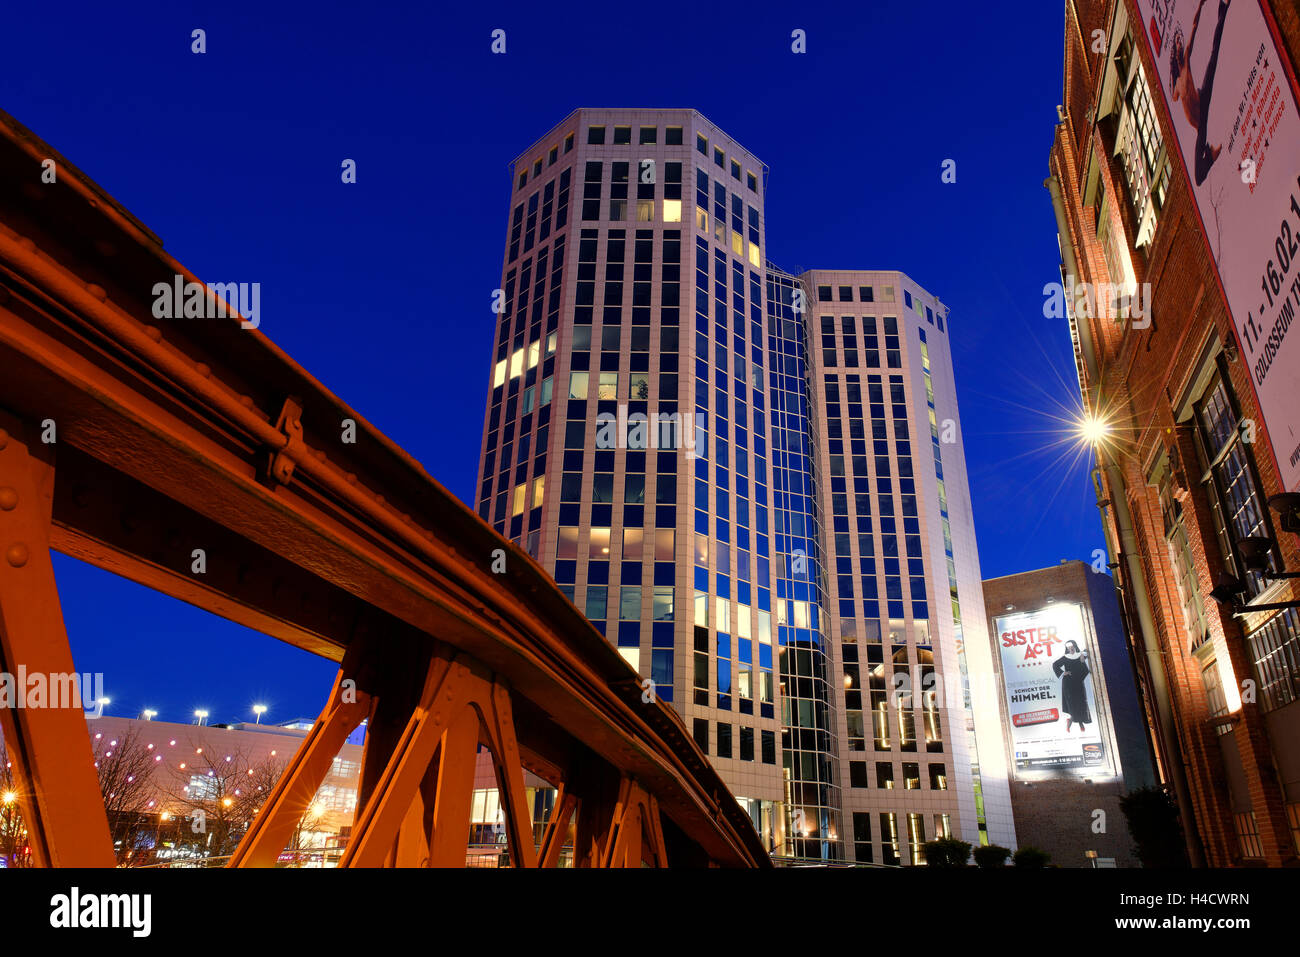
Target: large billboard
x: 1233, y: 106
x: 1054, y: 713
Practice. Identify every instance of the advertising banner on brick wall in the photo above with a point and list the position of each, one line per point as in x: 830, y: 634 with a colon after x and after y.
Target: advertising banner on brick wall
x: 1053, y: 710
x: 1224, y: 81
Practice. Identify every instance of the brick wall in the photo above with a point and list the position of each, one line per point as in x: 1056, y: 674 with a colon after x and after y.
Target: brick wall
x: 1143, y: 374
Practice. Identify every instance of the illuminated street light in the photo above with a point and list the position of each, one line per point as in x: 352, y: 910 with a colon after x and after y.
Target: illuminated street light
x: 259, y: 710
x: 10, y: 797
x: 1094, y: 430
x: 200, y: 715
x: 149, y: 714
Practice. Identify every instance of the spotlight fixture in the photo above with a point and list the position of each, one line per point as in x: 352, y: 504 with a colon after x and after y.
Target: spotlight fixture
x: 1226, y: 590
x: 1287, y: 506
x: 1256, y: 552
x: 1229, y: 587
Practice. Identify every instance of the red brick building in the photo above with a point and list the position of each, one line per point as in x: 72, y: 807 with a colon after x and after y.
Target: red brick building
x: 1187, y: 465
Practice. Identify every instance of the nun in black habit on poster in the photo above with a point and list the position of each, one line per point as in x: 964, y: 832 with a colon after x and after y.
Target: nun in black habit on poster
x: 1072, y: 669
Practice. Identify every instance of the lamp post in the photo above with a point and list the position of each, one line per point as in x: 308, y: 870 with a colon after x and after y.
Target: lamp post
x: 259, y: 710
x: 200, y: 716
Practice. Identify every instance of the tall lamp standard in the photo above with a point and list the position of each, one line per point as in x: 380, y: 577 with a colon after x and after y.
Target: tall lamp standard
x: 259, y: 710
x: 200, y: 716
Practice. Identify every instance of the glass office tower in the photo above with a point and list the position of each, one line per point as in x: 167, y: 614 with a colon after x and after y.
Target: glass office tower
x: 655, y: 438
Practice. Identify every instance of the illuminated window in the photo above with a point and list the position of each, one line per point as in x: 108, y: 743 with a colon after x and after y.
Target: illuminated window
x: 521, y: 491
x: 632, y: 539
x: 499, y: 375
x: 911, y: 777
x: 539, y: 488
x: 916, y: 838
x: 889, y: 838
x: 577, y: 385
x: 663, y: 603
x: 737, y: 244
x: 672, y: 210
x: 664, y: 541
x: 645, y: 210
x: 800, y: 614
x: 598, y: 547
x: 516, y: 363
x: 608, y: 386
x: 629, y: 603
x: 567, y: 545
x: 701, y: 219
x: 550, y: 343
x: 754, y: 258
x: 534, y: 354
x: 597, y: 601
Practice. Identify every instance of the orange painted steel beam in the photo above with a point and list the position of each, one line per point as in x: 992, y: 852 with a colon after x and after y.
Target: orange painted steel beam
x: 58, y: 795
x: 557, y: 828
x: 317, y: 542
x: 272, y: 829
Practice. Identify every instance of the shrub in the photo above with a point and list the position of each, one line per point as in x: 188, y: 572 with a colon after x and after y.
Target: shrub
x: 992, y: 855
x: 1153, y: 824
x: 1030, y: 856
x: 946, y: 852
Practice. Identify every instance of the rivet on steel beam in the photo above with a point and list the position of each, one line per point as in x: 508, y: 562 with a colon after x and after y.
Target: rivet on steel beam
x: 8, y: 499
x: 17, y: 555
x: 154, y: 333
x: 97, y: 291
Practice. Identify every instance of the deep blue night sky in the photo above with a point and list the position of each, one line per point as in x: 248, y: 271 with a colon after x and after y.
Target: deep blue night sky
x: 382, y: 289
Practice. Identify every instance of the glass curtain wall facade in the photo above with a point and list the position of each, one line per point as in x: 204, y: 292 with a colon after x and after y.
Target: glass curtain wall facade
x: 808, y: 740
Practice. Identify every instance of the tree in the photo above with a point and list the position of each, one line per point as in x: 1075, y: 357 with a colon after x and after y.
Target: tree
x: 218, y: 795
x: 946, y: 852
x: 992, y: 855
x: 126, y: 767
x: 1153, y: 824
x: 13, y: 832
x: 1031, y: 857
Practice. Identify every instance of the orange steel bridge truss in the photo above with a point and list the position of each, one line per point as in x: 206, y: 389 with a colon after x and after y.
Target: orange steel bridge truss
x: 128, y: 442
